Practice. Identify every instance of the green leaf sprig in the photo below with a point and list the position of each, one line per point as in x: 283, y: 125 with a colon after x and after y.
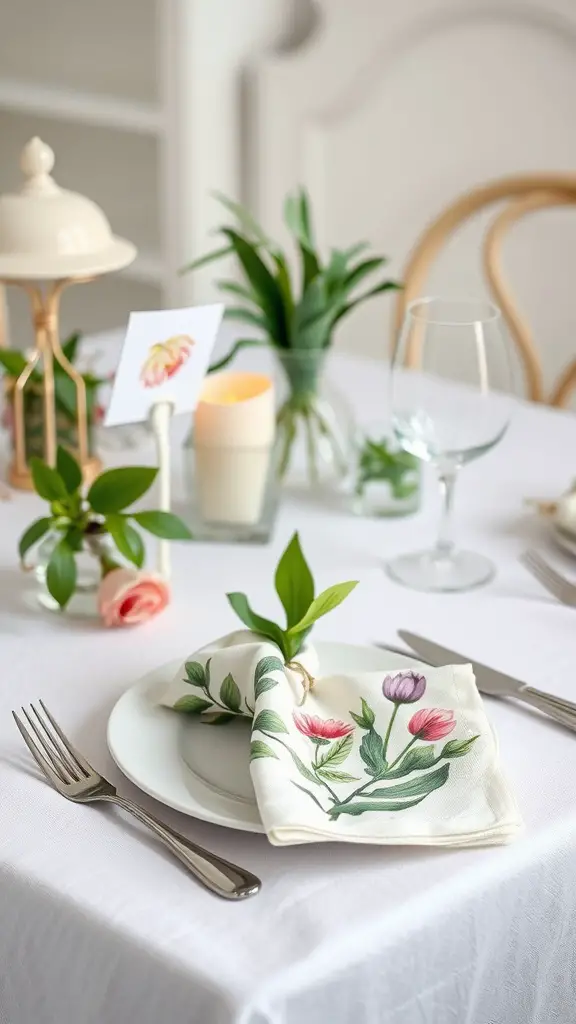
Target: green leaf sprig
x: 378, y: 461
x: 290, y: 312
x: 84, y: 519
x: 295, y: 588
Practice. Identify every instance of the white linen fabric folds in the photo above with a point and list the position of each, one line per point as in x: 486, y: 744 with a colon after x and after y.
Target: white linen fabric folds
x: 404, y: 757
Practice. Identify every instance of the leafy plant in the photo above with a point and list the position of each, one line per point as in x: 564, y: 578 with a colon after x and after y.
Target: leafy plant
x: 14, y: 362
x: 295, y: 312
x: 378, y: 461
x: 84, y: 520
x: 295, y: 588
x: 292, y: 313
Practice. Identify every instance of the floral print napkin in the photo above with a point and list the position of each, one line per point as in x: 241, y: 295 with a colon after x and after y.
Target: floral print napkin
x: 406, y: 757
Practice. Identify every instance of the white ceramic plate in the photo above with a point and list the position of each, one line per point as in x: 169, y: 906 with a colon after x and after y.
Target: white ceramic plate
x: 203, y: 770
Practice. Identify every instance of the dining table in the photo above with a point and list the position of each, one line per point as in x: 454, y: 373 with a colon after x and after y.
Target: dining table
x: 100, y: 925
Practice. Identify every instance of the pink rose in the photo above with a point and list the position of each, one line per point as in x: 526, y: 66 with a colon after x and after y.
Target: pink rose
x: 127, y: 597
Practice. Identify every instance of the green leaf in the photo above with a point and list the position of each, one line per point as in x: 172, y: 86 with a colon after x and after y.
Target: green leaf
x: 421, y: 786
x: 75, y: 538
x: 338, y: 752
x: 284, y: 282
x: 233, y: 288
x: 260, y: 749
x: 368, y: 805
x: 457, y: 748
x: 230, y: 694
x: 367, y: 718
x: 324, y: 603
x: 243, y: 343
x: 162, y: 524
x: 209, y: 257
x: 308, y: 793
x: 68, y: 469
x: 264, y: 284
x: 269, y: 721
x: 256, y: 623
x: 372, y: 753
x: 363, y: 270
x: 70, y: 346
x: 331, y: 776
x: 195, y: 673
x: 218, y: 718
x: 126, y: 538
x: 61, y: 573
x: 386, y: 286
x: 247, y: 222
x: 33, y: 534
x: 13, y: 362
x: 47, y: 481
x: 192, y: 705
x: 304, y: 770
x: 263, y: 685
x: 66, y: 393
x: 115, y: 489
x: 268, y: 664
x: 246, y: 316
x: 294, y: 583
x: 416, y: 759
x: 297, y: 218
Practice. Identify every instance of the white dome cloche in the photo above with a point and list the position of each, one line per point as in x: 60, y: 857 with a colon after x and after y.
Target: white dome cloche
x: 47, y: 232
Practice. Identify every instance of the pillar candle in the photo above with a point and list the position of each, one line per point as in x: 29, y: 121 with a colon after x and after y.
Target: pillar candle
x: 234, y: 429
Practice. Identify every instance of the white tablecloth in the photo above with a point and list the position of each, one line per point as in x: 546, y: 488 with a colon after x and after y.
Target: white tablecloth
x: 99, y: 926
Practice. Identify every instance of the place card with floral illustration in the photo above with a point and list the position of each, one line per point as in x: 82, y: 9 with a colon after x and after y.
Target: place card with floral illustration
x: 164, y: 358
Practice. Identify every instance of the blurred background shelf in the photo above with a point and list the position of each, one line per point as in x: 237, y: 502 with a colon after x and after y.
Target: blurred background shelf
x: 78, y: 107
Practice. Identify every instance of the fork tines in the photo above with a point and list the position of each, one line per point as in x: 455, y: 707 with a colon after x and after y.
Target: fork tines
x: 51, y: 749
x: 550, y: 579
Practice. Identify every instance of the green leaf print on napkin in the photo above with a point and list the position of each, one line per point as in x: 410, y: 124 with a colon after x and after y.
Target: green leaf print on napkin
x: 230, y: 694
x: 195, y: 673
x: 269, y: 721
x: 372, y: 753
x: 260, y: 749
x: 192, y: 705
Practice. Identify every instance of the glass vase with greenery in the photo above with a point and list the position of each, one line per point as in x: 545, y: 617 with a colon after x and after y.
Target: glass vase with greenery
x: 91, y: 536
x: 296, y: 314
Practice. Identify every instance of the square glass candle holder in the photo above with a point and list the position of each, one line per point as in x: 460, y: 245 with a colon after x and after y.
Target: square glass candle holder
x: 232, y: 493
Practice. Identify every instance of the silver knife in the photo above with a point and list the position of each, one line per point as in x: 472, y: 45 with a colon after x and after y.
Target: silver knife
x: 489, y: 681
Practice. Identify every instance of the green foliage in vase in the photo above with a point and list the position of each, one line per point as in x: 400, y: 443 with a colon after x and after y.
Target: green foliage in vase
x: 291, y: 311
x: 378, y: 461
x: 295, y: 588
x: 13, y: 361
x: 83, y: 519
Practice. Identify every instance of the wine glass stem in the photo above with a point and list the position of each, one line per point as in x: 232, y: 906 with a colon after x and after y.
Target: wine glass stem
x: 445, y: 544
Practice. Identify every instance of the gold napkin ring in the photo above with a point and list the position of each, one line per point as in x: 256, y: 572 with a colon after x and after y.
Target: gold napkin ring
x: 307, y: 679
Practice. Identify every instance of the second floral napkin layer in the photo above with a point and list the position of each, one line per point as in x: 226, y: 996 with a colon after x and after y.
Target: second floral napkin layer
x: 406, y: 757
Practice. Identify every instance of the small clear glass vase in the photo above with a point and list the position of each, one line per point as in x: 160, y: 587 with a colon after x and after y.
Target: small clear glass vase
x: 387, y: 480
x: 315, y: 424
x: 96, y: 547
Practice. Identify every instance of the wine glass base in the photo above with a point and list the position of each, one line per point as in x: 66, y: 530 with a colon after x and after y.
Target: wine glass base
x: 425, y: 570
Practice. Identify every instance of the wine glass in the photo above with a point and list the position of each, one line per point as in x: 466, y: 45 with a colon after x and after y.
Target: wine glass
x: 446, y: 413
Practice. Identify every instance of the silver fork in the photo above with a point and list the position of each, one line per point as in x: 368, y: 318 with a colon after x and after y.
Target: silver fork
x: 551, y: 580
x: 72, y: 776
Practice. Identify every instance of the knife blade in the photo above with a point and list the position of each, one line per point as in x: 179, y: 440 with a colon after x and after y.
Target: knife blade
x: 490, y: 681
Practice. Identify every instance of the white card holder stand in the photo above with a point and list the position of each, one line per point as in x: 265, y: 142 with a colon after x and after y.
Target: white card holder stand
x: 160, y: 419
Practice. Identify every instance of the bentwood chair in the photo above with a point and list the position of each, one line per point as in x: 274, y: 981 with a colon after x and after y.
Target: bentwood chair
x: 524, y: 195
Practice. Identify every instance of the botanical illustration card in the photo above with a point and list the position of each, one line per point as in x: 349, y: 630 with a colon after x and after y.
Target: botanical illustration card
x: 165, y: 358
